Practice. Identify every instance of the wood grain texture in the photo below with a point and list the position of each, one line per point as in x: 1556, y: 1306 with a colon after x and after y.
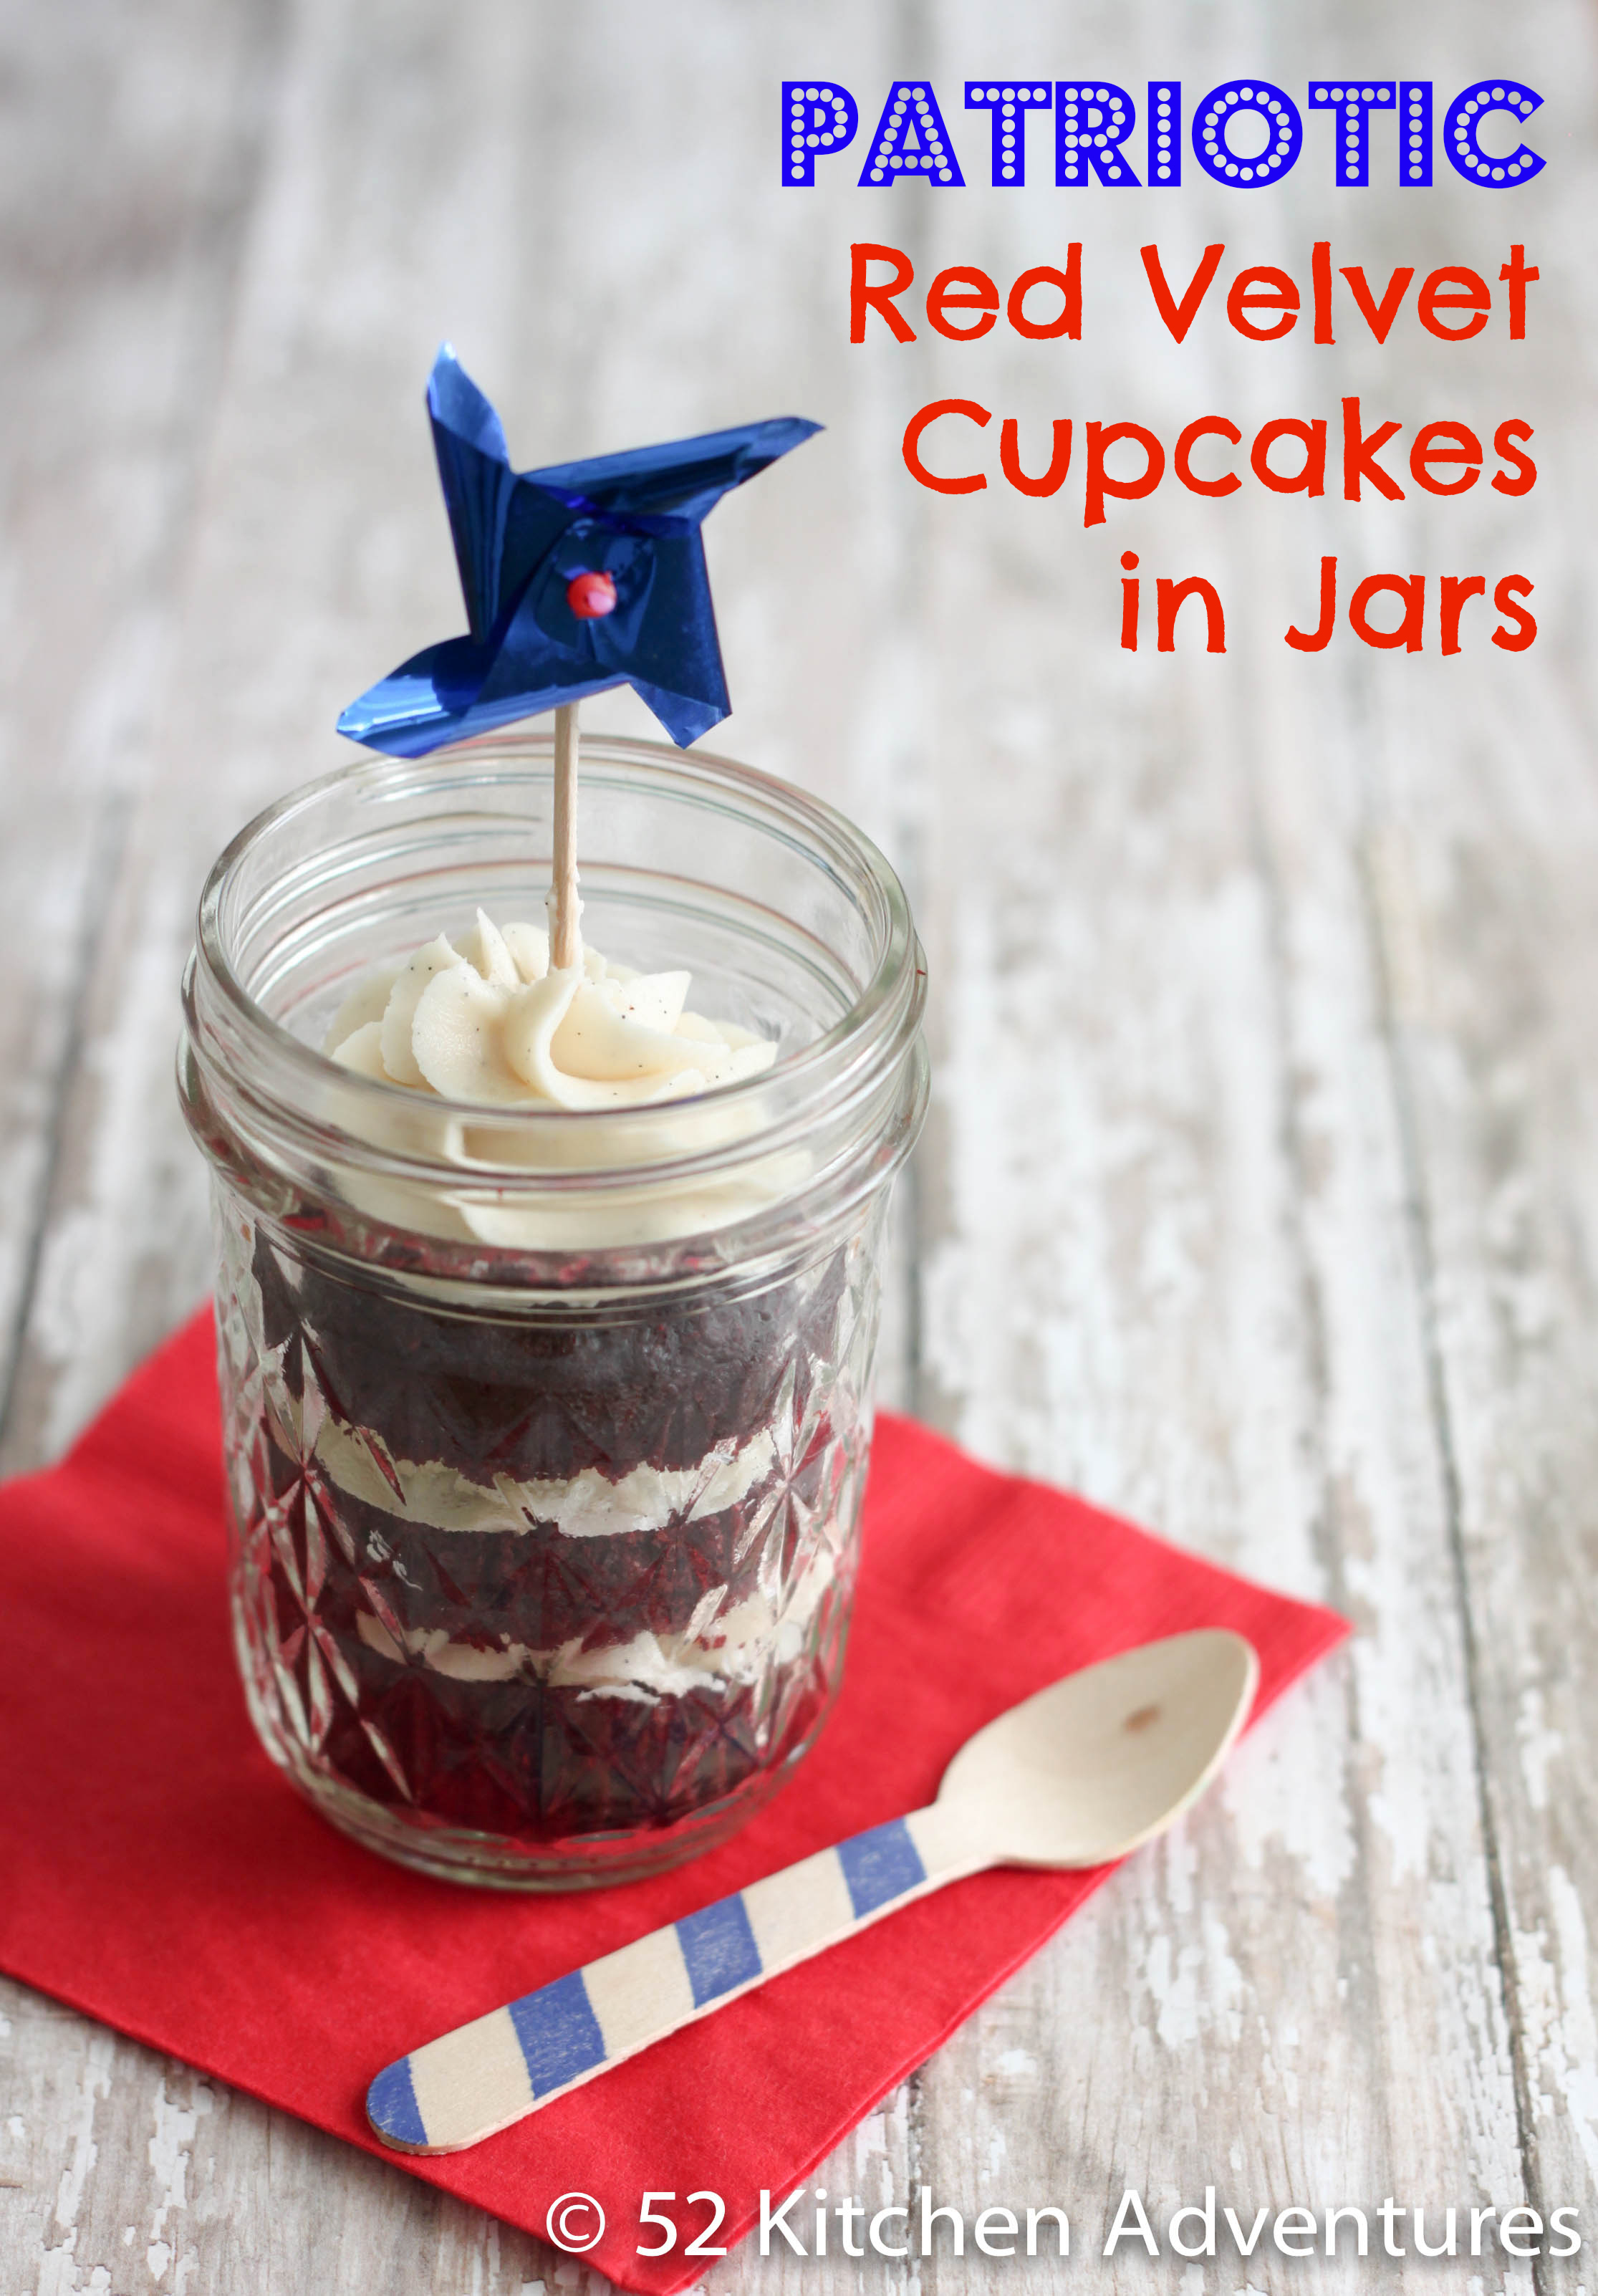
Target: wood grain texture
x: 1259, y: 1197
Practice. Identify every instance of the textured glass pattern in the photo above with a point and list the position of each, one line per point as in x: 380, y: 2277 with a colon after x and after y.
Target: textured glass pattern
x: 540, y: 1601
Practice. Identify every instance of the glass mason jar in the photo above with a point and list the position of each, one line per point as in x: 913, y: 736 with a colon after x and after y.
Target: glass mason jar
x: 545, y: 1432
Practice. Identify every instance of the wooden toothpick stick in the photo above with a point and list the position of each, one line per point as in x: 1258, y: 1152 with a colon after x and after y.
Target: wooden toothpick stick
x: 565, y: 937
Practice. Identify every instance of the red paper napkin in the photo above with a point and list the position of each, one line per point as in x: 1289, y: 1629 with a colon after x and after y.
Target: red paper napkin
x: 157, y: 1872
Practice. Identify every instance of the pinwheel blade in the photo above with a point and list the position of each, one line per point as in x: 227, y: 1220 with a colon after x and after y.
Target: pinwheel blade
x: 541, y: 629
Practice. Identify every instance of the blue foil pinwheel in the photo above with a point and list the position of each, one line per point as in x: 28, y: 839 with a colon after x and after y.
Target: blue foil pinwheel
x: 577, y: 578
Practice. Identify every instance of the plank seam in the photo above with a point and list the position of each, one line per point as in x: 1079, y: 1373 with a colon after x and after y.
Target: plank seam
x: 1326, y: 1546
x: 1418, y: 1220
x: 106, y: 852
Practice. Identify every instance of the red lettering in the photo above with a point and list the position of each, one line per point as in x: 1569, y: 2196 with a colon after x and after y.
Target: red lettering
x: 1525, y: 477
x: 942, y: 299
x: 1456, y: 589
x: 922, y: 421
x: 1179, y: 317
x: 1207, y: 426
x: 1476, y: 297
x: 1516, y: 640
x: 1360, y: 453
x: 1060, y: 459
x: 1169, y: 595
x: 1411, y: 589
x: 1128, y: 603
x: 1320, y: 277
x: 1263, y: 288
x: 877, y: 296
x: 1516, y: 275
x: 1070, y: 283
x: 1317, y: 640
x: 1514, y: 634
x: 1311, y: 436
x: 1101, y: 438
x: 1445, y: 444
x: 1378, y: 316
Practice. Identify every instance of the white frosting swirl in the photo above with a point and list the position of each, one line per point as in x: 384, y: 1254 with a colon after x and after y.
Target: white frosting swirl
x: 486, y: 1022
x: 490, y: 1022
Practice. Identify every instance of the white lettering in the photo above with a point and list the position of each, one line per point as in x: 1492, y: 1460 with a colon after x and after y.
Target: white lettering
x: 1141, y: 2229
x: 930, y: 2216
x: 1291, y: 2224
x: 1567, y: 2232
x: 874, y: 2234
x: 1247, y: 2246
x: 770, y: 2223
x: 1206, y: 2218
x: 1334, y: 2217
x: 1422, y: 2247
x: 1511, y: 2226
x: 996, y: 2220
x: 848, y: 2211
x: 1189, y: 2232
x: 1034, y: 2216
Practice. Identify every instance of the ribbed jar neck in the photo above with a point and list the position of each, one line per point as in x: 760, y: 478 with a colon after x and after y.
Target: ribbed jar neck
x: 690, y: 859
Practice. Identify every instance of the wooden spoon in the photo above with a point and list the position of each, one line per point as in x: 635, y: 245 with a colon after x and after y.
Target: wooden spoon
x: 1077, y: 1776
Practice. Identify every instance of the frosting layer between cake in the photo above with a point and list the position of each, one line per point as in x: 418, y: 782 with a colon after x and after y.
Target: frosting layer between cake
x: 589, y: 1505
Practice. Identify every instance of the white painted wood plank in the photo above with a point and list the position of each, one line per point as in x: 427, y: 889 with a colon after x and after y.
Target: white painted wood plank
x: 1488, y: 922
x: 126, y: 166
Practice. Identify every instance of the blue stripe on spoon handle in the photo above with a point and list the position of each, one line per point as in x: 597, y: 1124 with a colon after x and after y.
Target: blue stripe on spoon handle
x: 485, y: 2075
x: 1077, y: 1774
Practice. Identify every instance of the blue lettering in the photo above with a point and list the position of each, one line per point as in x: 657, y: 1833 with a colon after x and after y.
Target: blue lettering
x: 1466, y: 113
x: 818, y: 115
x: 1093, y: 119
x: 911, y: 139
x: 1165, y: 133
x: 1352, y: 104
x: 1009, y: 101
x: 1284, y: 133
x: 1415, y: 134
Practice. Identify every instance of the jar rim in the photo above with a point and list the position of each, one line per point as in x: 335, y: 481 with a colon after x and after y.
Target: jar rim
x: 235, y: 1042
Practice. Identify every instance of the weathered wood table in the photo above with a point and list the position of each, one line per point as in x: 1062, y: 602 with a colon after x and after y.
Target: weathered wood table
x: 1260, y: 1195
